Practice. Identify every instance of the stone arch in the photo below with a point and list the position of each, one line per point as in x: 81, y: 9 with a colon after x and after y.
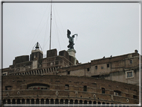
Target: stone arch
x: 28, y: 101
x: 52, y: 101
x: 66, y: 101
x: 85, y: 102
x: 56, y: 101
x: 8, y: 101
x: 37, y: 101
x: 90, y: 102
x: 23, y: 101
x: 61, y: 101
x: 47, y: 101
x: 13, y: 101
x: 18, y: 101
x: 80, y: 101
x: 42, y: 101
x: 99, y: 102
x: 71, y: 101
x: 76, y: 101
x: 38, y: 84
x: 94, y: 102
x: 32, y: 101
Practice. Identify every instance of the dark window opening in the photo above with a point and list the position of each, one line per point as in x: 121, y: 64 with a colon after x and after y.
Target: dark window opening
x: 76, y: 101
x: 88, y: 69
x: 135, y: 97
x: 85, y: 88
x: 66, y: 87
x: 103, y: 90
x: 130, y: 61
x: 102, y: 67
x: 107, y: 65
x: 117, y: 93
x: 8, y: 87
x: 96, y: 67
x: 129, y: 74
x: 66, y: 101
x: 68, y: 72
x: 61, y: 101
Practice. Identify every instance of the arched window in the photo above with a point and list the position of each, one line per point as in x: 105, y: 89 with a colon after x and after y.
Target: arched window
x: 61, y: 101
x: 66, y: 101
x: 76, y: 101
x: 13, y: 101
x: 18, y: 101
x: 85, y: 102
x: 42, y: 101
x: 71, y: 101
x: 32, y: 101
x: 38, y: 86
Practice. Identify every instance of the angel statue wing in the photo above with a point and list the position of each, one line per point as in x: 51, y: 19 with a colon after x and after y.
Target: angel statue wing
x: 68, y: 33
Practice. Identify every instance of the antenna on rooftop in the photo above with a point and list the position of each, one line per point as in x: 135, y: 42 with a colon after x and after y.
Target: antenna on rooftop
x: 50, y: 25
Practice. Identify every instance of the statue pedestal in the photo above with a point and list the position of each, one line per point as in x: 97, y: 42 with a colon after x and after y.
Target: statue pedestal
x: 72, y: 53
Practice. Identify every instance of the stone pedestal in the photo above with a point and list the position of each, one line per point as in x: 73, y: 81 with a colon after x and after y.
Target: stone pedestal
x: 72, y: 53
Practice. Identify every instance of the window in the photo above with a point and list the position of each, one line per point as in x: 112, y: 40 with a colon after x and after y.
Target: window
x: 103, y: 90
x: 117, y: 93
x: 88, y: 69
x: 96, y: 67
x: 8, y: 87
x: 135, y: 97
x: 102, y: 67
x: 68, y: 72
x: 107, y: 65
x: 66, y: 87
x: 85, y: 88
x: 130, y: 74
x: 130, y: 61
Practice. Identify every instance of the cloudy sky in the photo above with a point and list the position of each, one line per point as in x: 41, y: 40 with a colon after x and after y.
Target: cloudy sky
x: 103, y: 29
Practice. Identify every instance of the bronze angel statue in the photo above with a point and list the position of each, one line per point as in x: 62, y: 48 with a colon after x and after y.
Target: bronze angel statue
x: 71, y: 41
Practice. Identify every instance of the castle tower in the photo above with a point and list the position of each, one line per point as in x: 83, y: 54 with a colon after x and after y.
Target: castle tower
x: 35, y: 56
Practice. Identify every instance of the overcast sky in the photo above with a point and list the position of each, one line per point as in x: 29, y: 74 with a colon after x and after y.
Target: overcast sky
x: 103, y: 29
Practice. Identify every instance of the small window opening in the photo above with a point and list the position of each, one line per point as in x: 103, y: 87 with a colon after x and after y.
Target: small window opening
x: 107, y: 65
x: 66, y: 87
x: 103, y: 90
x: 68, y: 72
x: 85, y: 88
x: 117, y: 93
x: 130, y: 61
x: 129, y: 74
x: 96, y: 67
x: 135, y: 97
x: 8, y: 87
x: 102, y: 67
x: 88, y: 69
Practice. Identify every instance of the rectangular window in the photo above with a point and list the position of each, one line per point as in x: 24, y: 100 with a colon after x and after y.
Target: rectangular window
x: 96, y: 67
x: 129, y: 74
x: 68, y: 72
x: 107, y: 65
x: 102, y: 67
x: 88, y: 69
x: 117, y: 93
x: 85, y: 88
x: 103, y: 90
x: 130, y: 61
x: 66, y: 87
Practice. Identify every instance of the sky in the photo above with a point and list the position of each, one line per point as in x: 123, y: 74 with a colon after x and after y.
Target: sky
x: 103, y: 29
